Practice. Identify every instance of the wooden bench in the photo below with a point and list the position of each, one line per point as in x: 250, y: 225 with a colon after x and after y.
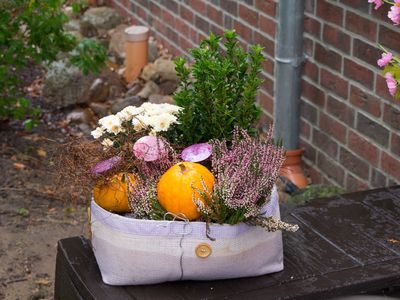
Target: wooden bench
x: 346, y: 245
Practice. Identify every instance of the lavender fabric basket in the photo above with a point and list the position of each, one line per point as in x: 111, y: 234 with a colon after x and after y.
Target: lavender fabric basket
x: 132, y: 251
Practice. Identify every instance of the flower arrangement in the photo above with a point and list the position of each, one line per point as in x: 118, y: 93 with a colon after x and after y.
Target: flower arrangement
x: 140, y: 164
x: 388, y: 61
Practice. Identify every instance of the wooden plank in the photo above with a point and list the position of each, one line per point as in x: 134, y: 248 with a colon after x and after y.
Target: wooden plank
x: 353, y: 281
x: 351, y: 226
x: 78, y: 262
x: 306, y: 254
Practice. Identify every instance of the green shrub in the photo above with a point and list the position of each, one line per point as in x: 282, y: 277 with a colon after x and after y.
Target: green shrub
x: 32, y: 31
x: 218, y: 91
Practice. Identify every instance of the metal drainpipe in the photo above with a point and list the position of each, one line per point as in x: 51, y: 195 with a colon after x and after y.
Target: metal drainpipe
x: 289, y: 57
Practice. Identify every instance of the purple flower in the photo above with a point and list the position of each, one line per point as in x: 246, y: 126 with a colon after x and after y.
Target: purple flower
x: 391, y: 83
x: 394, y: 13
x: 106, y: 165
x: 386, y: 58
x: 378, y: 3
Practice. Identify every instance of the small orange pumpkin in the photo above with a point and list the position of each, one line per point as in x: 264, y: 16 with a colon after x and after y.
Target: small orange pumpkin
x: 112, y: 194
x: 176, y: 187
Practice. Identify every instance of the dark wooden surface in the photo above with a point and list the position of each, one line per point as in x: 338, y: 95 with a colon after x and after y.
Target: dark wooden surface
x: 346, y: 245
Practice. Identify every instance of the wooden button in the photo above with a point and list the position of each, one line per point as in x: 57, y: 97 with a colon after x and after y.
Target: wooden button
x: 203, y: 250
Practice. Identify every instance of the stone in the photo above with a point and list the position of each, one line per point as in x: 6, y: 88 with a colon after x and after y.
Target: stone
x: 102, y: 17
x: 87, y: 29
x: 76, y: 34
x: 162, y: 69
x: 149, y: 88
x: 79, y: 116
x: 117, y: 42
x: 120, y: 104
x: 65, y: 85
x: 85, y: 128
x: 158, y: 99
x: 135, y: 88
x: 99, y: 108
x: 168, y: 87
x: 73, y: 25
x: 153, y: 52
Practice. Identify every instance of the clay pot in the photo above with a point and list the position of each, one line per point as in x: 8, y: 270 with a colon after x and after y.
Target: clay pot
x: 135, y: 51
x: 292, y: 170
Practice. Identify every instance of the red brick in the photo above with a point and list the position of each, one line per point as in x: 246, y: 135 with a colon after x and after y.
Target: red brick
x: 244, y: 31
x: 155, y: 9
x: 310, y: 6
x: 332, y: 127
x: 265, y: 121
x: 330, y: 168
x: 266, y: 6
x: 186, y: 14
x: 372, y: 129
x: 366, y: 52
x: 308, y: 45
x: 215, y: 14
x: 334, y: 83
x: 363, y: 148
x: 305, y: 129
x: 141, y: 12
x: 358, y: 73
x: 329, y: 12
x: 185, y: 44
x: 268, y: 66
x: 313, y: 93
x: 182, y: 27
x: 389, y: 38
x: 328, y: 57
x: 361, y: 26
x: 269, y: 45
x: 216, y: 30
x: 382, y: 14
x: 168, y: 18
x: 197, y: 5
x: 361, y: 5
x: 202, y: 24
x: 267, y: 85
x: 391, y: 116
x: 308, y: 112
x: 395, y: 144
x: 172, y: 35
x: 325, y: 143
x: 354, y: 184
x: 381, y: 88
x: 267, y: 25
x: 309, y: 151
x: 230, y: 7
x: 249, y: 15
x: 340, y: 110
x: 354, y: 164
x: 266, y: 102
x: 367, y: 102
x: 314, y: 174
x: 312, y: 26
x: 336, y: 38
x: 377, y: 179
x: 390, y: 165
x: 311, y: 70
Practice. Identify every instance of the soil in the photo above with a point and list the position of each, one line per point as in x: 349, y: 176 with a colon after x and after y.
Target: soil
x: 33, y: 213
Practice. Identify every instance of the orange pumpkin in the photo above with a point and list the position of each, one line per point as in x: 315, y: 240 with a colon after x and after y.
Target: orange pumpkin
x: 176, y: 188
x: 112, y: 194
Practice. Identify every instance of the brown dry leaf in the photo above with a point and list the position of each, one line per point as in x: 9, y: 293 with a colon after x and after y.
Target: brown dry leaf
x: 48, y: 191
x: 35, y: 89
x: 41, y: 152
x: 43, y: 282
x: 19, y: 166
x: 112, y: 66
x: 393, y: 241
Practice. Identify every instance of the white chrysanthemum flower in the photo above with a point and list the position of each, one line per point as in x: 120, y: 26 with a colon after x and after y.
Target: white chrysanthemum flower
x: 97, y: 133
x: 111, y: 124
x: 170, y: 108
x: 107, y: 143
x: 138, y: 123
x: 129, y: 112
x: 162, y: 122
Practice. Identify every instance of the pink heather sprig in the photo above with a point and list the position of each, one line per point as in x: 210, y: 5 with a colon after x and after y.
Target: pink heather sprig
x: 386, y: 58
x: 246, y: 171
x: 391, y: 83
x: 140, y: 200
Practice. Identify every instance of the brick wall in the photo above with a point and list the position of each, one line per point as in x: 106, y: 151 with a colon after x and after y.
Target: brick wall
x: 350, y: 125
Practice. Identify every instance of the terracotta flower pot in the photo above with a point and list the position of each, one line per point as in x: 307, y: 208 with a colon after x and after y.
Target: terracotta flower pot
x: 292, y: 170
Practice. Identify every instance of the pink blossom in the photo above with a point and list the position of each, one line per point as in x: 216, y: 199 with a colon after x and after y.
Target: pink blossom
x: 386, y: 58
x: 394, y: 13
x: 391, y: 83
x: 378, y: 3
